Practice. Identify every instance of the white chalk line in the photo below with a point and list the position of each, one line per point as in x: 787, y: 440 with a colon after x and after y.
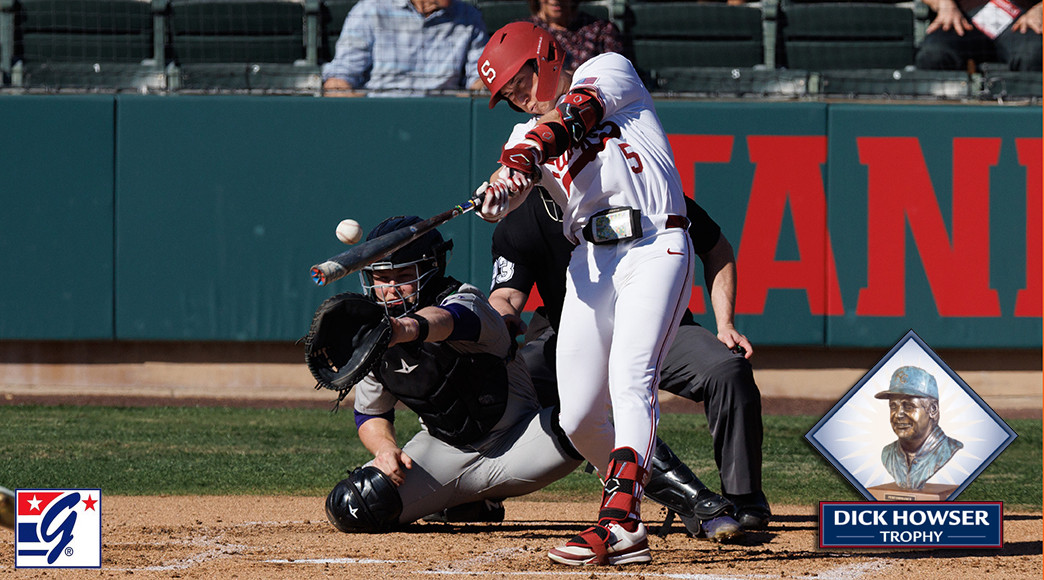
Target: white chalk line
x: 847, y: 572
x: 215, y: 548
x: 336, y: 561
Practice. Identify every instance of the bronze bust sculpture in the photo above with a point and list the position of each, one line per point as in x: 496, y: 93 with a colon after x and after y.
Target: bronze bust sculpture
x: 921, y: 448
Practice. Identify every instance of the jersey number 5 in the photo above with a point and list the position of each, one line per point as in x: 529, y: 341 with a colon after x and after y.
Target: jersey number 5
x: 633, y: 161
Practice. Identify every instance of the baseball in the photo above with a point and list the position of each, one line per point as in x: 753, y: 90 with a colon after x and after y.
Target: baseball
x: 349, y: 231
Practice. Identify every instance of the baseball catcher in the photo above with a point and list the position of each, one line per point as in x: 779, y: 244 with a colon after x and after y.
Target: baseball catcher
x: 424, y: 339
x: 443, y: 351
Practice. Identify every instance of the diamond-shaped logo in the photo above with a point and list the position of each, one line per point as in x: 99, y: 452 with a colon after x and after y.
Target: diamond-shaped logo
x: 911, y: 429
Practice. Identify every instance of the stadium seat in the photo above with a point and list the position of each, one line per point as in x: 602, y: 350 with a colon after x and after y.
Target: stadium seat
x: 331, y: 19
x: 846, y: 35
x: 897, y: 84
x: 497, y: 13
x: 72, y: 44
x: 731, y: 82
x: 251, y: 45
x: 6, y: 40
x: 680, y: 34
x: 1001, y: 84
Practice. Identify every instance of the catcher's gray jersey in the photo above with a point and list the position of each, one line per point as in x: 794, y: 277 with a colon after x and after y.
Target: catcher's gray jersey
x: 520, y: 455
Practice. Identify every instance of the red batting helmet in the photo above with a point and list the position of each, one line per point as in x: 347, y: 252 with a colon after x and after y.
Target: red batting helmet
x: 513, y: 46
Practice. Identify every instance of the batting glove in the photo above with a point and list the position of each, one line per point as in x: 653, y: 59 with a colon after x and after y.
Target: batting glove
x: 498, y: 195
x: 494, y: 202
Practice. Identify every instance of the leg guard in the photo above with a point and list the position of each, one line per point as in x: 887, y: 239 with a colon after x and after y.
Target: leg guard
x: 366, y: 501
x: 619, y: 537
x: 622, y: 489
x: 677, y: 488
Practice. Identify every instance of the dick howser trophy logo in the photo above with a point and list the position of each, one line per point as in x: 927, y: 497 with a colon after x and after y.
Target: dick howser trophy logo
x: 58, y: 528
x: 910, y: 437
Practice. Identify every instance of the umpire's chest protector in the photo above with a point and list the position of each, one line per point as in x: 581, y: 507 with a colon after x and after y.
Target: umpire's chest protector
x: 460, y: 397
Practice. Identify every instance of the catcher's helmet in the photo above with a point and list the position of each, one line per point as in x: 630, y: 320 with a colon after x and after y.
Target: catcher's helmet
x: 428, y: 255
x: 366, y: 501
x: 513, y: 46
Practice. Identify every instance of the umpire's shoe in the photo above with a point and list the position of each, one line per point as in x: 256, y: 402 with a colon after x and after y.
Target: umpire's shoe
x: 481, y: 511
x: 752, y: 511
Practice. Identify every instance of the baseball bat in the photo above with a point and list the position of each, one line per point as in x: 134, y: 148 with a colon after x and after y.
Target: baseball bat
x: 368, y: 252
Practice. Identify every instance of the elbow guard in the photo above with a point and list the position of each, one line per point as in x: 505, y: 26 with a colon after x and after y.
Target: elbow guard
x: 581, y: 112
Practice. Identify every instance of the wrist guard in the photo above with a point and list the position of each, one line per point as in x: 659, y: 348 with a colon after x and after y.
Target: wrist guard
x: 581, y: 112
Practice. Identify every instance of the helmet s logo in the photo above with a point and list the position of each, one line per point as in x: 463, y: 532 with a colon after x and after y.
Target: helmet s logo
x: 488, y: 73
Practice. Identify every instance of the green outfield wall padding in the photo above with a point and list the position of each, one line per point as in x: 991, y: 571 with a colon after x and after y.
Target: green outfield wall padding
x: 56, y: 217
x: 225, y: 203
x: 197, y: 218
x: 726, y: 154
x: 946, y: 238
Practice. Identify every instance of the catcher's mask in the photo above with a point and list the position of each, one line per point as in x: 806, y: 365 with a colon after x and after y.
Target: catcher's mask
x: 510, y: 48
x: 427, y: 256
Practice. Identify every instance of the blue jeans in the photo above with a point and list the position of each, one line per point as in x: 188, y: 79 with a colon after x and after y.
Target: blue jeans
x: 946, y: 50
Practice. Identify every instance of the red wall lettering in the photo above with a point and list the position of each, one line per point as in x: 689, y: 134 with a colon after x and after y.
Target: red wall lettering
x: 689, y: 150
x: 1028, y: 300
x: 788, y: 169
x: 900, y: 192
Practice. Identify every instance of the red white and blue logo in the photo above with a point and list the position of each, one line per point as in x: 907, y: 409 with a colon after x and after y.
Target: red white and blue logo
x: 58, y: 528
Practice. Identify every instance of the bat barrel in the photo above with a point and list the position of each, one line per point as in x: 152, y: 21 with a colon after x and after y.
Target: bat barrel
x: 370, y: 251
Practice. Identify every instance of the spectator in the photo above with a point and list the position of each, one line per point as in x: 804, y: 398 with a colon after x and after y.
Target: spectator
x: 982, y: 31
x: 407, y: 47
x: 579, y: 33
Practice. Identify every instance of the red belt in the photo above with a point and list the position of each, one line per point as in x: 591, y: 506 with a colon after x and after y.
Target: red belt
x: 677, y: 221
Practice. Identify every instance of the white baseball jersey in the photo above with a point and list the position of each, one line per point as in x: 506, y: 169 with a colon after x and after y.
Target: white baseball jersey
x: 635, y: 165
x: 623, y: 300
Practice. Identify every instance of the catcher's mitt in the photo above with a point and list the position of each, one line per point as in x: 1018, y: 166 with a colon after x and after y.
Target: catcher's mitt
x: 348, y: 336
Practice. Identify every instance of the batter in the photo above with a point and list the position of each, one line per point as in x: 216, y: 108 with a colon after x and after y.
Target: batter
x: 530, y: 252
x: 596, y: 144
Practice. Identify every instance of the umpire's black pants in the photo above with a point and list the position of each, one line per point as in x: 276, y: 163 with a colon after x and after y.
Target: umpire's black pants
x: 698, y: 367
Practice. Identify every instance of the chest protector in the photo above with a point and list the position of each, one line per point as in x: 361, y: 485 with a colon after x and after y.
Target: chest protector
x: 460, y: 397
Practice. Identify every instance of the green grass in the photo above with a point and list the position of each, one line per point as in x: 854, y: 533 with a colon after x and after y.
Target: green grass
x: 190, y: 450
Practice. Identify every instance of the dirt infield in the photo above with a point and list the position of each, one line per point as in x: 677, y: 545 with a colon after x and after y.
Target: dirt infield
x: 289, y: 538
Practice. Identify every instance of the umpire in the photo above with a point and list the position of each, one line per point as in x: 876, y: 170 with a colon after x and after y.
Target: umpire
x: 529, y: 250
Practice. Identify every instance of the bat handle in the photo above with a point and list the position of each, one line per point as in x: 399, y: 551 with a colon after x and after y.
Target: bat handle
x: 469, y: 205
